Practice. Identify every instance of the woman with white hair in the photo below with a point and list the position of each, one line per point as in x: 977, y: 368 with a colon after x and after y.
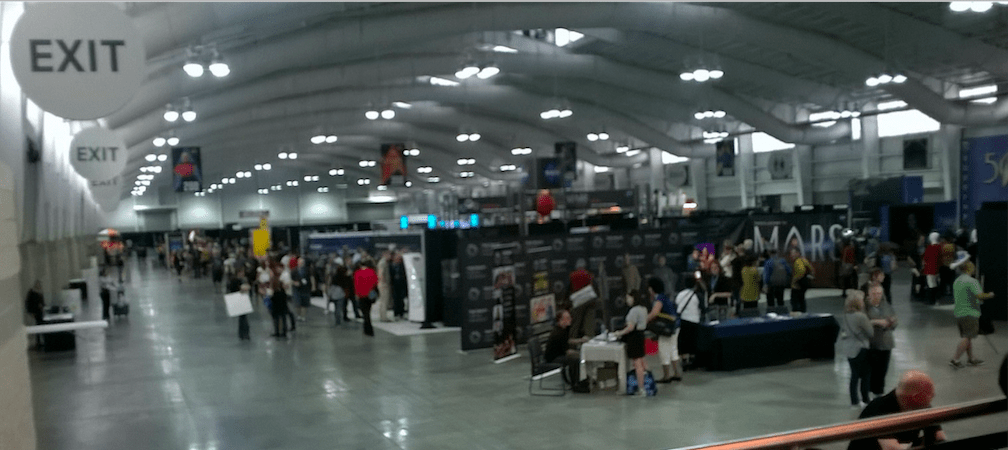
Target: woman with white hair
x: 854, y: 341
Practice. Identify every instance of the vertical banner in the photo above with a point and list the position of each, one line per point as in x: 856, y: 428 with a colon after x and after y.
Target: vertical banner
x: 186, y: 169
x: 567, y: 153
x: 726, y: 158
x: 261, y: 237
x: 393, y: 162
x: 984, y: 174
x: 504, y: 304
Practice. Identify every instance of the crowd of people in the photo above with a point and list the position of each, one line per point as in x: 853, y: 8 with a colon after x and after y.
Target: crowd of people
x: 349, y: 281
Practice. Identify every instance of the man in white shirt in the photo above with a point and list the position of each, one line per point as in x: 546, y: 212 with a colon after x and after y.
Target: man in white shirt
x: 688, y: 301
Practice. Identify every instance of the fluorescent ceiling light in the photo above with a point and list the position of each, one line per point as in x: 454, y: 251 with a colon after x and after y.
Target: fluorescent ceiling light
x: 985, y: 100
x: 601, y: 169
x: 193, y: 69
x: 892, y: 104
x: 151, y: 157
x: 634, y: 152
x: 172, y: 140
x: 372, y: 114
x: 171, y: 115
x: 763, y: 142
x: 978, y: 91
x: 438, y: 81
x: 332, y: 138
x: 219, y: 69
x: 318, y: 139
x: 503, y: 49
x: 487, y: 72
x: 162, y: 158
x: 189, y: 115
x: 668, y: 158
x: 402, y: 105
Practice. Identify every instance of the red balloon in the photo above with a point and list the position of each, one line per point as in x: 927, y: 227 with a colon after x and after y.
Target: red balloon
x: 545, y: 203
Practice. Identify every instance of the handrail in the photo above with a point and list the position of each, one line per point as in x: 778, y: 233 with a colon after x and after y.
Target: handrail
x: 876, y: 426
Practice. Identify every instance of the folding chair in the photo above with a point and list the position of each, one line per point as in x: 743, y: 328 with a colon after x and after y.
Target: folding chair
x: 542, y: 369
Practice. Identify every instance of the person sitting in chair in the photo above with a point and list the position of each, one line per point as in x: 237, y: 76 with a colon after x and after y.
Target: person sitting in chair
x: 562, y: 349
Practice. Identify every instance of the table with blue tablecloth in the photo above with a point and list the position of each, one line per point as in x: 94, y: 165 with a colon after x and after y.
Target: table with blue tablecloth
x: 765, y: 341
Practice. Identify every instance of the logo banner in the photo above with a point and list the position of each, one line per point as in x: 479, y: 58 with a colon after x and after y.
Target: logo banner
x: 984, y: 174
x: 187, y: 169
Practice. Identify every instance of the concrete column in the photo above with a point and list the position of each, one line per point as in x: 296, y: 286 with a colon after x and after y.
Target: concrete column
x: 946, y: 145
x: 744, y: 170
x: 871, y: 158
x: 698, y: 177
x: 655, y: 166
x: 802, y: 156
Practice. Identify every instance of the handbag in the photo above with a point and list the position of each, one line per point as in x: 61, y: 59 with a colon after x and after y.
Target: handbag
x: 665, y: 324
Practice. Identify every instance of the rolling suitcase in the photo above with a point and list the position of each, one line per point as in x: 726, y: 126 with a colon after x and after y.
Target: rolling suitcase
x: 120, y: 308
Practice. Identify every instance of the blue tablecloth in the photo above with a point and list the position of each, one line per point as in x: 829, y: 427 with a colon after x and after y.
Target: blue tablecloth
x: 762, y: 341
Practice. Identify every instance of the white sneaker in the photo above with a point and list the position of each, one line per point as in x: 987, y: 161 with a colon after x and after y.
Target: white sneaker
x: 641, y: 393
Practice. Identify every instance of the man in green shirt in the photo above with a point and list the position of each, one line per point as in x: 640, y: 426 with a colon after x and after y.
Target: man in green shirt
x: 968, y: 296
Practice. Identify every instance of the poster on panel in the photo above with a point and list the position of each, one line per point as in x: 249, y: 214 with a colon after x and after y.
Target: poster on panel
x: 187, y: 169
x: 725, y: 158
x: 984, y: 174
x: 393, y: 162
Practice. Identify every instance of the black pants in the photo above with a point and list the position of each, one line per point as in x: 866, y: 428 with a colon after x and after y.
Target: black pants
x: 280, y: 323
x: 798, y: 300
x: 399, y: 294
x: 878, y: 360
x: 243, y: 327
x: 571, y: 368
x: 365, y: 306
x: 775, y: 296
x: 355, y: 306
x: 860, y: 376
x: 887, y: 288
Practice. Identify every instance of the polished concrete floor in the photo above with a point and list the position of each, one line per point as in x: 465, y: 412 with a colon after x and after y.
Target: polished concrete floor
x: 175, y: 376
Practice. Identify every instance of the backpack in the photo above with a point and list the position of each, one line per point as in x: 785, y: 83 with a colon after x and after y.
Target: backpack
x: 778, y: 274
x: 650, y: 387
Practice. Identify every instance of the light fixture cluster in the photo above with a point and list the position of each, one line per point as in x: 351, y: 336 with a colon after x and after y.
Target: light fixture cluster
x: 600, y: 136
x: 885, y: 79
x: 323, y: 139
x: 226, y: 180
x: 408, y: 183
x: 977, y: 7
x: 468, y: 137
x: 438, y: 81
x: 142, y: 182
x: 367, y: 163
x: 311, y: 178
x: 558, y: 112
x: 412, y: 152
x: 713, y: 137
x: 467, y: 174
x: 374, y: 114
x: 276, y: 187
x: 286, y: 155
x: 702, y: 75
x: 622, y: 148
x: 213, y: 187
x: 264, y: 166
x: 323, y: 189
x: 701, y: 115
x: 245, y: 174
x: 633, y: 152
x: 508, y: 168
x: 382, y: 187
x: 155, y: 157
x: 292, y: 183
x: 173, y: 113
x: 160, y: 141
x: 151, y: 169
x: 336, y: 172
x: 200, y: 58
x: 199, y: 194
x: 433, y: 179
x: 466, y: 161
x: 471, y: 69
x: 519, y: 151
x: 263, y: 191
x: 829, y: 118
x: 363, y: 181
x: 424, y: 169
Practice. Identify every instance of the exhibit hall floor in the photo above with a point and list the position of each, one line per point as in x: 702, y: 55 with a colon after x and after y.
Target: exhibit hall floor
x: 174, y: 375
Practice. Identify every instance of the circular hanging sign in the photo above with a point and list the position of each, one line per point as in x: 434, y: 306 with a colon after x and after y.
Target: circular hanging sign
x: 77, y: 60
x: 107, y: 193
x: 97, y: 154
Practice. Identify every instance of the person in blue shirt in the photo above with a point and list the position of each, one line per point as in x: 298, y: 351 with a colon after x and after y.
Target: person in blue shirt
x: 776, y: 278
x: 668, y: 349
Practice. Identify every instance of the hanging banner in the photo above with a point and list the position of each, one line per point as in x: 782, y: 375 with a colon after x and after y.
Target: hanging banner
x: 504, y: 306
x: 984, y: 174
x: 725, y: 158
x: 393, y: 162
x: 567, y: 153
x: 261, y: 238
x: 98, y: 154
x: 187, y: 169
x: 78, y: 61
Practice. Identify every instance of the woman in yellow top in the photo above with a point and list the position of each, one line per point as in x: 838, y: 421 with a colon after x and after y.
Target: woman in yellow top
x: 750, y: 291
x: 803, y: 274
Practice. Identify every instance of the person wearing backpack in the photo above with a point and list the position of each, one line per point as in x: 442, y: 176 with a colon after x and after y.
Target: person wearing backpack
x: 776, y: 278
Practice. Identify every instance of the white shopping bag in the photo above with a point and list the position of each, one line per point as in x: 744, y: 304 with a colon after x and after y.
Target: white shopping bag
x: 237, y: 303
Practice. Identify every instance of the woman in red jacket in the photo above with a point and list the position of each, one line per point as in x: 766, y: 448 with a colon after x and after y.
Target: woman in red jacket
x: 932, y: 258
x: 365, y: 283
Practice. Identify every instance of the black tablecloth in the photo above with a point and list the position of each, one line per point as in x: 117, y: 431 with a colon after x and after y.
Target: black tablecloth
x: 761, y: 341
x: 60, y: 340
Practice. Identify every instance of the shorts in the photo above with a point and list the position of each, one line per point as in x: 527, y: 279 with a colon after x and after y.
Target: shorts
x: 634, y: 342
x: 969, y: 326
x: 668, y: 348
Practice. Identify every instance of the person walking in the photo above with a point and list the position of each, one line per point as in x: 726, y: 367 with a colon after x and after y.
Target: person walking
x: 968, y: 295
x: 802, y: 278
x: 278, y: 307
x: 344, y: 278
x: 365, y: 284
x: 301, y: 280
x: 883, y: 320
x: 336, y: 293
x: 238, y: 283
x: 384, y: 286
x: 400, y: 287
x: 854, y: 341
x: 776, y: 278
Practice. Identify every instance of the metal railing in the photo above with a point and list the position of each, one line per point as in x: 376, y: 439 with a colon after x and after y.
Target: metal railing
x: 876, y: 426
